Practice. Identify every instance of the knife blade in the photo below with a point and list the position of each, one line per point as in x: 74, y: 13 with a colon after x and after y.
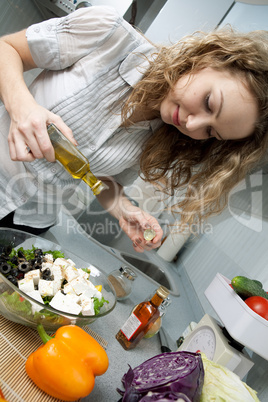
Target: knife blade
x: 163, y: 341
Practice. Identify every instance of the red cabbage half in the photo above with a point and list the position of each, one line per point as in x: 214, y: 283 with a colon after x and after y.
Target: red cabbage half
x: 168, y: 372
x: 164, y: 397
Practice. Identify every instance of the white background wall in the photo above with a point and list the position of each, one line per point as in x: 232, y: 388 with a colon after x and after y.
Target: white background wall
x: 178, y: 18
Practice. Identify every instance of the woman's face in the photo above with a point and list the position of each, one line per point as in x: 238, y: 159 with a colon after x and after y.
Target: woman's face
x: 210, y: 103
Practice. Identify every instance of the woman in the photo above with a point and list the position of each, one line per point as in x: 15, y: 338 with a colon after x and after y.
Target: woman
x: 192, y: 115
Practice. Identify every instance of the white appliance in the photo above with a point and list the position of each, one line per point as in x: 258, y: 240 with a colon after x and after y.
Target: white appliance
x: 60, y: 8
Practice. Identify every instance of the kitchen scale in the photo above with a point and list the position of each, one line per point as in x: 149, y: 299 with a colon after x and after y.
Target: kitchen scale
x: 209, y: 337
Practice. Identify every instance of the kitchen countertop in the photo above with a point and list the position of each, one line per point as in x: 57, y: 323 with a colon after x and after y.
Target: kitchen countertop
x: 180, y: 313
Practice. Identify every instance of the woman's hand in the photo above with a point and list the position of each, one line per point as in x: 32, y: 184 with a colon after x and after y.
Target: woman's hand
x: 28, y: 137
x: 134, y: 221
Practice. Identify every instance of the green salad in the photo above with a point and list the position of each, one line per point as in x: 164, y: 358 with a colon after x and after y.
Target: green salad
x: 51, y: 279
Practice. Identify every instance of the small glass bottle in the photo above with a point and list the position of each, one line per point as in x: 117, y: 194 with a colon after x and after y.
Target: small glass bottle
x: 122, y: 280
x: 73, y: 160
x: 141, y: 320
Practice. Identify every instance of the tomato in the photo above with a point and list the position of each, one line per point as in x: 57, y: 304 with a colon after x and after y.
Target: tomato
x: 259, y: 305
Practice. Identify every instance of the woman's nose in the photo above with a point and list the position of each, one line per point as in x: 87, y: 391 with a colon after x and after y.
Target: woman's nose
x: 197, y: 122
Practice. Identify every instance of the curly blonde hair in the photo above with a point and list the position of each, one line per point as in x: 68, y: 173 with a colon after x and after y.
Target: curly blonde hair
x: 206, y: 170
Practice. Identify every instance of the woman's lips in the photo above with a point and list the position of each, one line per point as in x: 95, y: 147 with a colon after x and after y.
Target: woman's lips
x: 175, y: 117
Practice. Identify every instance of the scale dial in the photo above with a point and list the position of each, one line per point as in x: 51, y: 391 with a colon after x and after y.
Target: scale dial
x: 207, y: 337
x: 202, y: 340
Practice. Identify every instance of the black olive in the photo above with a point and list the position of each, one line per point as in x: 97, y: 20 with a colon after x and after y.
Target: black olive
x: 14, y: 260
x: 46, y: 273
x: 12, y: 279
x: 14, y: 271
x: 38, y: 252
x: 48, y: 278
x: 5, y: 268
x: 39, y: 260
x: 23, y: 267
x: 37, y: 266
x: 20, y: 254
x: 4, y: 258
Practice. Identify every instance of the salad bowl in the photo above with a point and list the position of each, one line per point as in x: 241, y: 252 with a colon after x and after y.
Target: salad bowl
x: 18, y: 306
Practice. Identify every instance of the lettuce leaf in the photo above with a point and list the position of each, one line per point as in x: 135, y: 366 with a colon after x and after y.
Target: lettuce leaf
x: 98, y: 304
x: 222, y: 385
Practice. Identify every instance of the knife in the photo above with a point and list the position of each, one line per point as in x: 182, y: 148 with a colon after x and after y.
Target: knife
x: 163, y: 341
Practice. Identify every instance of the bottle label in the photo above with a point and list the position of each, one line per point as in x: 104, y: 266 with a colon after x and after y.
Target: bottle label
x: 131, y: 326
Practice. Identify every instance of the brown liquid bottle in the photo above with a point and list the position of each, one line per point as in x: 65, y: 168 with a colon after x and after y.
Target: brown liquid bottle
x: 141, y: 319
x: 73, y: 160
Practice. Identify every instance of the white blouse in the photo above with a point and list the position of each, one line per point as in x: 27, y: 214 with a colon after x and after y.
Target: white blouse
x: 90, y: 61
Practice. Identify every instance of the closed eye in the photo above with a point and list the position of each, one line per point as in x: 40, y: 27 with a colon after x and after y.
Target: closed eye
x: 209, y: 130
x: 207, y: 103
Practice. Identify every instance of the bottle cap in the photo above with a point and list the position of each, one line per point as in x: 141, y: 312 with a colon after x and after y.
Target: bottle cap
x: 149, y: 234
x: 162, y: 292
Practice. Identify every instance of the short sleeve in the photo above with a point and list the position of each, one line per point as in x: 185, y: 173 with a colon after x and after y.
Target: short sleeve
x: 58, y: 43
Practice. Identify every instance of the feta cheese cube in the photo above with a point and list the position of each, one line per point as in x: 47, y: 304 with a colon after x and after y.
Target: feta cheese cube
x: 90, y: 285
x: 46, y: 265
x: 35, y: 295
x: 34, y: 274
x: 26, y: 285
x: 46, y: 288
x: 88, y: 307
x: 48, y: 258
x: 70, y: 273
x: 87, y: 294
x: 83, y: 273
x: 71, y: 262
x: 56, y: 272
x: 79, y: 285
x: 56, y: 286
x: 62, y: 262
x: 67, y: 288
x: 73, y: 297
x: 65, y: 303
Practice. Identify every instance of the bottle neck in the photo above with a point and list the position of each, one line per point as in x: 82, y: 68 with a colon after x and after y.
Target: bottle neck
x: 95, y: 184
x: 156, y: 300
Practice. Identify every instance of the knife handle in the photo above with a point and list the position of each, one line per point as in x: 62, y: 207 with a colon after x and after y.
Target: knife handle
x: 165, y: 349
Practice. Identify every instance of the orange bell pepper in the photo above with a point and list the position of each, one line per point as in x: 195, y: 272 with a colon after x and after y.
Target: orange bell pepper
x: 66, y: 365
x: 2, y: 398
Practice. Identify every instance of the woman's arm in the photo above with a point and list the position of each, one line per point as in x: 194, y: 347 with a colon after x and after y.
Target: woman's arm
x: 28, y: 119
x: 132, y: 219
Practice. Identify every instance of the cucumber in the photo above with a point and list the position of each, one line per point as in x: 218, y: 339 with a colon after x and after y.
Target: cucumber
x: 246, y: 287
x: 258, y: 282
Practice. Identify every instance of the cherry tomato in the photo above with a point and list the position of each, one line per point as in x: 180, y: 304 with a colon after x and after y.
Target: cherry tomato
x: 259, y: 305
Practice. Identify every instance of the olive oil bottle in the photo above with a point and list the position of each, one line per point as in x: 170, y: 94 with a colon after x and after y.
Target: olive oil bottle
x: 73, y: 160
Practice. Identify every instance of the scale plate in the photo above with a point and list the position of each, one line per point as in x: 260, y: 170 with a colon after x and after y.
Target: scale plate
x: 242, y: 323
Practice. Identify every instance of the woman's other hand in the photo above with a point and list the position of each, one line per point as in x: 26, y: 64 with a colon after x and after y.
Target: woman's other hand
x: 134, y: 221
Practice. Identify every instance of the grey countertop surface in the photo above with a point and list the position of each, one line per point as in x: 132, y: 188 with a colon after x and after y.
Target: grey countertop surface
x: 183, y: 309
